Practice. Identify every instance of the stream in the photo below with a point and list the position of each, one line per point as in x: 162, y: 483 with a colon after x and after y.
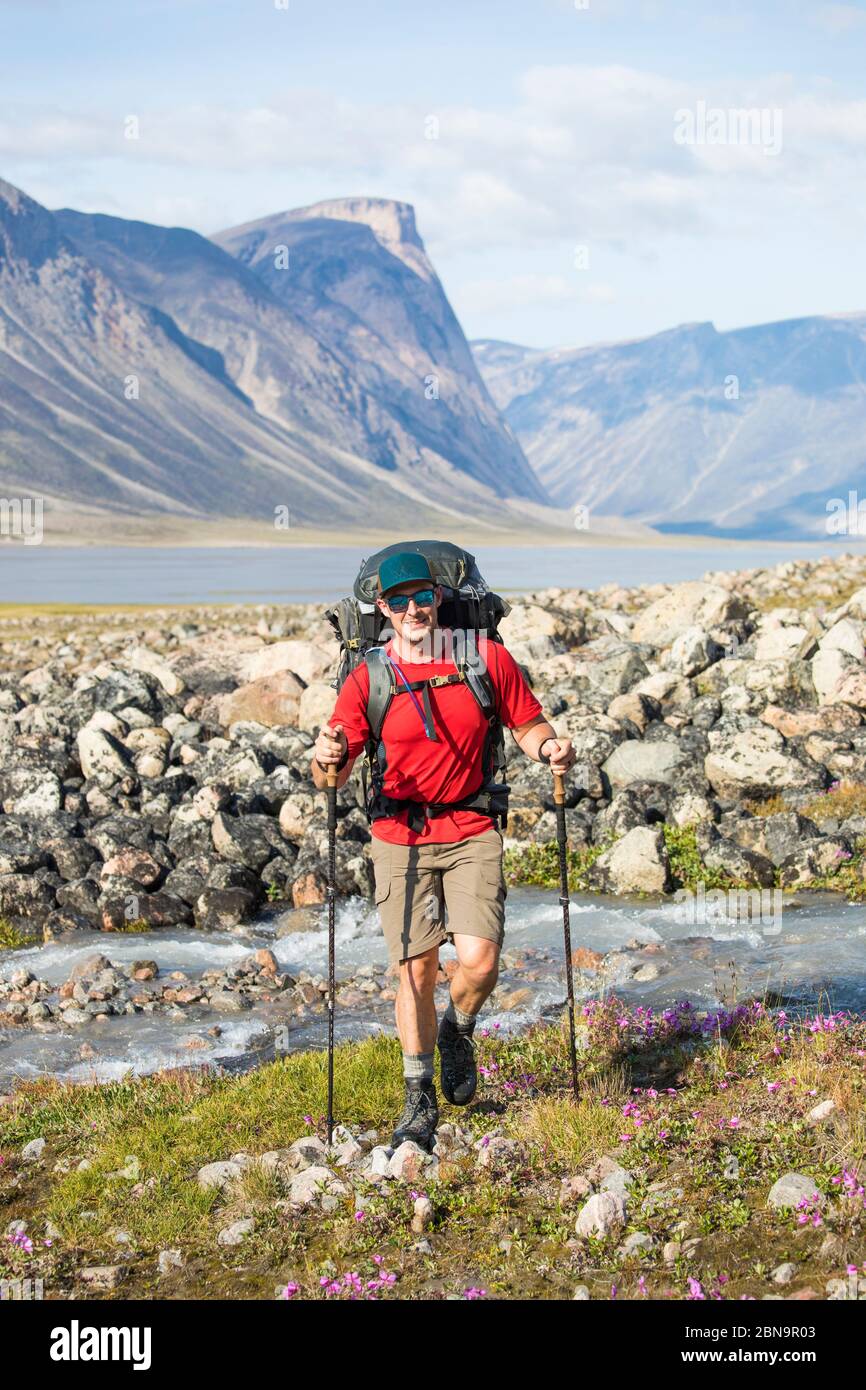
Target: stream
x: 812, y: 958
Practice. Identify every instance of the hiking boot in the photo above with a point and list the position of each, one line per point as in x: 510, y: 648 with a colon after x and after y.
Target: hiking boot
x: 420, y: 1116
x: 457, y: 1061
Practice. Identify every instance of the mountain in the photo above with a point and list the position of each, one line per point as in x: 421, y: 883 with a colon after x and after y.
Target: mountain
x: 148, y: 369
x: 355, y: 271
x: 744, y: 433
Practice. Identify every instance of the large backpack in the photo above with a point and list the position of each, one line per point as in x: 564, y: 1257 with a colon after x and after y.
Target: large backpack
x: 468, y: 607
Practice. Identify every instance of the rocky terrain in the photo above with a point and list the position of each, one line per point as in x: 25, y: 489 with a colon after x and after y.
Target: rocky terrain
x: 154, y: 768
x: 154, y: 774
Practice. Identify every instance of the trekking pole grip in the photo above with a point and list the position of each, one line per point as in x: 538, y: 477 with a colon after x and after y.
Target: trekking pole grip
x: 559, y: 788
x: 331, y: 776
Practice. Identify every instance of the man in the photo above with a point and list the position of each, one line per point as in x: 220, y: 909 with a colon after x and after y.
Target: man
x: 434, y: 739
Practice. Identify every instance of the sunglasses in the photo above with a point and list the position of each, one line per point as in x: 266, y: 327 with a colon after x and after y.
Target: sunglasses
x: 424, y: 598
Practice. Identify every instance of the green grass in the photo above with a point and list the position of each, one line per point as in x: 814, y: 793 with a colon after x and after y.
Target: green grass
x: 687, y: 867
x: 11, y: 939
x: 175, y: 1122
x: 537, y: 865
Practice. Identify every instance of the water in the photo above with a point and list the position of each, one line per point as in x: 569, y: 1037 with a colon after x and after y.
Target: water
x: 315, y: 574
x: 815, y: 960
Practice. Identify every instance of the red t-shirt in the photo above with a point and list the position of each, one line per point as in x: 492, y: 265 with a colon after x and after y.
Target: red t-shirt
x: 448, y: 769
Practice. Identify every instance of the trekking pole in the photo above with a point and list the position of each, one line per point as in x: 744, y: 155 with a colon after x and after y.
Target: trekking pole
x: 332, y: 891
x: 559, y: 799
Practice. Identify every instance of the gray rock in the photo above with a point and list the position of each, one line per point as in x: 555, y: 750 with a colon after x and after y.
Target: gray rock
x: 219, y: 1174
x: 756, y: 762
x: 791, y: 1189
x: 693, y: 604
x: 618, y: 1181
x: 308, y: 1186
x: 637, y: 864
x: 821, y: 1112
x: 378, y: 1162
x: 102, y: 757
x: 307, y: 1152
x: 102, y: 1278
x: 784, y: 1273
x: 408, y: 1162
x: 636, y: 1242
x: 637, y: 761
x: 169, y: 1260
x: 33, y: 1151
x: 601, y: 1215
x: 236, y: 1233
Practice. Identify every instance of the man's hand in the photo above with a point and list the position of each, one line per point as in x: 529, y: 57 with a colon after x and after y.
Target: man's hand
x: 330, y: 746
x: 560, y: 753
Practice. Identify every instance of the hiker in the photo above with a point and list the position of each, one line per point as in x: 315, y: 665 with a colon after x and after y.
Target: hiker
x: 431, y: 850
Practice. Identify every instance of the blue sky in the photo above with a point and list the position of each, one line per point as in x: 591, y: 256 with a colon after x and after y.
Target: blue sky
x: 554, y: 130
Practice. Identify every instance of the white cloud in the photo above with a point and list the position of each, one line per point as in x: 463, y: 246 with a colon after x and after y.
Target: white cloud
x: 582, y: 154
x: 524, y: 291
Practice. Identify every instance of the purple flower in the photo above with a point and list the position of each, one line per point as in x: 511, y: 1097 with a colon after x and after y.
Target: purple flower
x: 290, y: 1290
x: 474, y: 1293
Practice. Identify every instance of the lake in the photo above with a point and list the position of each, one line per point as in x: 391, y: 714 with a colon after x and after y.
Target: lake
x: 315, y: 574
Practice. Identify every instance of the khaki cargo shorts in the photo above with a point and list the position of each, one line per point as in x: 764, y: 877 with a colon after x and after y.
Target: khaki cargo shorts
x: 417, y: 884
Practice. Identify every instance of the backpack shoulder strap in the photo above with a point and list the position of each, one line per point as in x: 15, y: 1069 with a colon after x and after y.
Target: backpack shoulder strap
x: 381, y: 690
x: 470, y: 662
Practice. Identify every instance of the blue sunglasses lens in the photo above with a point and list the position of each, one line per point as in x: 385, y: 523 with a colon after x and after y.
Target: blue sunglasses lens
x: 400, y: 602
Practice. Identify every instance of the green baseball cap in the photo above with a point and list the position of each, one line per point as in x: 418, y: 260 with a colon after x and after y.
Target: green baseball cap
x: 403, y: 568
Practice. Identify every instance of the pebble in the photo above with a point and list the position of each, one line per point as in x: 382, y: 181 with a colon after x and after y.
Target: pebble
x: 236, y: 1233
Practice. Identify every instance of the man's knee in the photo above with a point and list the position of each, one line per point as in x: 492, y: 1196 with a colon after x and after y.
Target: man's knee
x: 418, y: 974
x: 479, y: 961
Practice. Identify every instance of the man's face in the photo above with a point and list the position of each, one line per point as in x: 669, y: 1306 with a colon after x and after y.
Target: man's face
x: 416, y: 624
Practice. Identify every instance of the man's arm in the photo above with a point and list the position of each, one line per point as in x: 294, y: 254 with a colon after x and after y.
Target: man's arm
x: 533, y: 737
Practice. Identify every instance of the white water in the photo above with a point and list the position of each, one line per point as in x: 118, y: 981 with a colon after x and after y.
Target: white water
x: 816, y: 960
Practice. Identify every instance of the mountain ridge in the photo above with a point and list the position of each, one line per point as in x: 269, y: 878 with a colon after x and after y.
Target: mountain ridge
x: 739, y: 433
x: 145, y: 367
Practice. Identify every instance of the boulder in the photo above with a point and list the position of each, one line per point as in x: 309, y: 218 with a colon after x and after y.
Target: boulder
x: 756, y: 762
x: 142, y: 659
x: 638, y: 863
x: 798, y: 722
x: 311, y: 661
x: 694, y: 604
x: 774, y: 837
x: 248, y: 840
x: 102, y: 757
x: 220, y: 1174
x: 273, y: 701
x: 28, y: 791
x: 310, y: 1185
x: 693, y: 651
x: 636, y: 761
x: 316, y: 706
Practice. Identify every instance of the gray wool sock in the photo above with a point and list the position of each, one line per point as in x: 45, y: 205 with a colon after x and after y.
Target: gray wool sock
x: 418, y: 1066
x: 464, y: 1023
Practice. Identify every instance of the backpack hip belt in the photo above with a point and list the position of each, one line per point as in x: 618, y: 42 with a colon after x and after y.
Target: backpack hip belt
x: 490, y: 800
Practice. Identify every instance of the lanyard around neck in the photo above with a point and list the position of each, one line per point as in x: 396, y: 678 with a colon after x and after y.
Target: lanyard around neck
x: 425, y: 714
